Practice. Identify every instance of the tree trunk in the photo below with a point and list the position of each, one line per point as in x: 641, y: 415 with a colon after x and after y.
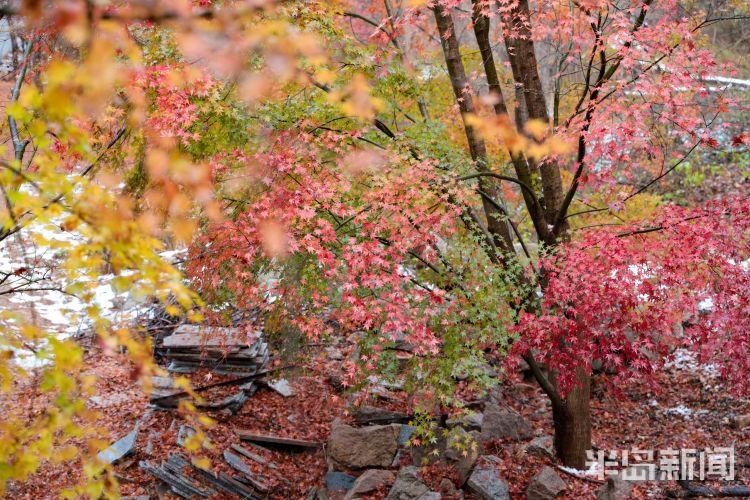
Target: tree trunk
x: 496, y: 220
x: 572, y: 419
x: 523, y: 63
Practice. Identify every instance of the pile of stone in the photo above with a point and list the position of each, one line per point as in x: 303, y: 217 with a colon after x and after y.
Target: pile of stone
x: 381, y: 459
x: 226, y: 351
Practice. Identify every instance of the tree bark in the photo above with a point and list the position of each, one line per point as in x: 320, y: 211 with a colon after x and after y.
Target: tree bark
x: 572, y: 419
x: 482, y: 33
x: 522, y: 57
x: 571, y: 414
x: 496, y: 223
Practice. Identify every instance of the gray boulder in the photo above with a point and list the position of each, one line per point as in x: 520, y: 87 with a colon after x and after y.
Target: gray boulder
x: 408, y: 486
x: 486, y: 482
x: 353, y: 448
x: 428, y: 452
x: 338, y: 481
x: 370, y: 481
x: 542, y: 446
x: 504, y: 423
x: 463, y: 450
x: 546, y: 485
x: 615, y: 489
x: 469, y: 421
x: 449, y: 490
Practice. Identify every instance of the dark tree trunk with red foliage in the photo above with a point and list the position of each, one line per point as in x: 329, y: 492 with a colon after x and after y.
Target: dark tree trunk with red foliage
x: 572, y: 413
x: 572, y: 418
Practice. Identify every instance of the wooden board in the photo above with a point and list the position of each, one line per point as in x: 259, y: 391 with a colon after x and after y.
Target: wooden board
x: 276, y: 440
x: 210, y: 336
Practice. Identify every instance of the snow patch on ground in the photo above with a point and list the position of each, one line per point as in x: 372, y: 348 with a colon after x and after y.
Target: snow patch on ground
x: 35, y: 253
x: 685, y: 359
x: 680, y: 410
x: 592, y: 471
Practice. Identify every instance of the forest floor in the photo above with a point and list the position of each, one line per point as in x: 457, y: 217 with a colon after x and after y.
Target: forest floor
x: 684, y: 406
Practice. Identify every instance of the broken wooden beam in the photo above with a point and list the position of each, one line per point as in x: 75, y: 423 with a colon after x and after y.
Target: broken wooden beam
x: 225, y: 383
x: 120, y: 448
x: 221, y: 481
x: 177, y: 482
x: 257, y: 482
x: 253, y: 456
x: 277, y: 440
x: 197, y: 336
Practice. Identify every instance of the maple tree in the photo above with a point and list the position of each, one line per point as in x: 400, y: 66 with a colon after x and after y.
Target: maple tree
x: 404, y: 247
x: 324, y: 167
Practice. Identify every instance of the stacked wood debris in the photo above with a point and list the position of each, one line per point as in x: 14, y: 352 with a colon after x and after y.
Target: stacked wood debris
x: 180, y: 475
x: 189, y: 481
x: 166, y: 396
x: 226, y: 351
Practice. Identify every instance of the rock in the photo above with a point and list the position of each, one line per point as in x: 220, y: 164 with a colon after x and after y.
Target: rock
x: 334, y: 354
x: 427, y: 453
x: 408, y: 486
x: 741, y: 421
x: 615, y: 489
x: 465, y: 465
x: 370, y: 481
x: 501, y: 423
x: 405, y: 434
x: 397, y: 459
x: 391, y: 385
x: 486, y: 482
x: 338, y: 481
x: 366, y: 415
x: 431, y: 495
x: 463, y: 450
x: 542, y: 446
x: 449, y: 490
x: 185, y: 433
x: 471, y: 421
x: 546, y: 485
x: 282, y: 387
x: 495, y: 395
x: 352, y: 448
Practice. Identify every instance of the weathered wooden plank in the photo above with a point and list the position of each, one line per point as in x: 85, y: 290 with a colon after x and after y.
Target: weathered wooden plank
x: 276, y: 440
x: 180, y: 484
x: 256, y: 481
x: 120, y: 448
x: 224, y: 383
x: 220, y: 482
x: 254, y: 457
x: 194, y: 336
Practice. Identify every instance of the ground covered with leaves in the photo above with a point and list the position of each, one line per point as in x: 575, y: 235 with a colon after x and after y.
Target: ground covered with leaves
x: 682, y: 407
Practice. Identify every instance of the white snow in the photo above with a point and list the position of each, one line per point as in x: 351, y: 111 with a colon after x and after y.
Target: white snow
x: 592, y: 471
x: 706, y: 305
x: 37, y: 251
x: 681, y: 410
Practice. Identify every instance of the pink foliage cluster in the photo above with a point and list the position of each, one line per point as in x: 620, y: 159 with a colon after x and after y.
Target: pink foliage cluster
x: 616, y: 296
x: 361, y: 229
x: 175, y: 90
